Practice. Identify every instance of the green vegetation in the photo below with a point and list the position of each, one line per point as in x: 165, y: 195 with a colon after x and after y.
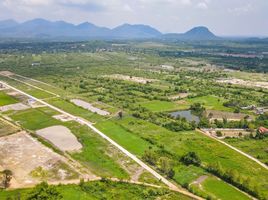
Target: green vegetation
x: 93, y: 191
x: 214, y: 189
x: 168, y: 144
x: 6, y: 99
x: 256, y: 148
x: 35, y: 119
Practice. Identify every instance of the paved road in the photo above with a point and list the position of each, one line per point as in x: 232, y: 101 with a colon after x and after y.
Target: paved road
x: 141, y: 163
x: 237, y: 150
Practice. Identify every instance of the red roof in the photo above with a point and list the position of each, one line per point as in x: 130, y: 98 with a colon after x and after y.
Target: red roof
x: 263, y: 130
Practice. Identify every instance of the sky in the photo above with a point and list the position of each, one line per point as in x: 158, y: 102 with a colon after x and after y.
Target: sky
x: 223, y: 17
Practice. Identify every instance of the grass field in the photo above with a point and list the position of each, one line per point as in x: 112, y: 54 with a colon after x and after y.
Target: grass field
x: 6, y: 99
x: 94, y: 153
x: 218, y: 189
x: 210, y: 102
x: 161, y: 106
x: 183, y: 142
x: 256, y: 148
x: 6, y: 128
x: 35, y: 119
x: 104, y: 190
x: 123, y: 137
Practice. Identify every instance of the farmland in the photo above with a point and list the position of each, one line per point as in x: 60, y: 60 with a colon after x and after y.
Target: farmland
x: 125, y: 93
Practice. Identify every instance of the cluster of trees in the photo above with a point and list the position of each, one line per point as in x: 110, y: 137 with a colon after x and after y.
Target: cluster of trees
x: 191, y: 158
x: 164, y: 164
x: 234, y: 178
x: 6, y: 178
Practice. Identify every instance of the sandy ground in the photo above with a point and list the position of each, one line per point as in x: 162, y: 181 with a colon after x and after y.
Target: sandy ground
x: 89, y: 107
x: 179, y: 96
x: 22, y: 154
x: 227, y: 132
x: 6, y: 73
x: 63, y: 118
x: 131, y: 78
x: 61, y: 137
x: 244, y: 83
x: 16, y: 107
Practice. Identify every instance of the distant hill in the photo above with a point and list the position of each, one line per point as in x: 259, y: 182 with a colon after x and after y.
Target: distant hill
x: 41, y: 28
x: 135, y: 31
x: 197, y: 33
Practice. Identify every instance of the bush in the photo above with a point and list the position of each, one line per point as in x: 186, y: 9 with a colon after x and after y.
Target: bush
x: 191, y: 158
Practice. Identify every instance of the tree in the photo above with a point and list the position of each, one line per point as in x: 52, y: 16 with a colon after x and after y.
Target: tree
x: 164, y: 165
x: 43, y: 191
x: 150, y: 157
x: 191, y: 158
x: 7, y: 177
x: 219, y: 133
x: 120, y: 114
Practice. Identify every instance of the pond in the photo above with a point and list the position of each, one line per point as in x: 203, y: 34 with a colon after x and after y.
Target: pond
x: 187, y: 114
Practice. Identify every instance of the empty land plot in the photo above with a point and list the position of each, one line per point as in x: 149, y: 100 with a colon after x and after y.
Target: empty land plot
x: 6, y: 128
x: 61, y: 137
x: 23, y: 155
x: 89, y: 107
x: 219, y: 115
x: 241, y: 82
x: 6, y: 99
x: 131, y: 78
x: 15, y: 107
x: 227, y: 132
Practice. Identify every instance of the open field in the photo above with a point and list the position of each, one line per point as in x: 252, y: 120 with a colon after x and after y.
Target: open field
x: 25, y: 155
x: 215, y: 188
x: 6, y: 128
x: 131, y: 78
x: 180, y: 143
x: 220, y: 115
x: 89, y: 107
x: 61, y: 137
x: 210, y: 102
x: 256, y: 148
x: 161, y: 106
x: 6, y: 99
x: 245, y: 83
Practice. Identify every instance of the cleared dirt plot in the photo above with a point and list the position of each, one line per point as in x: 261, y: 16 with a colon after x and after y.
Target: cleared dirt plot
x: 219, y: 115
x: 16, y: 107
x: 89, y: 107
x: 131, y: 78
x: 6, y: 73
x: 6, y: 128
x: 179, y: 96
x: 241, y: 82
x: 61, y: 137
x: 223, y: 133
x: 31, y: 162
x: 63, y: 118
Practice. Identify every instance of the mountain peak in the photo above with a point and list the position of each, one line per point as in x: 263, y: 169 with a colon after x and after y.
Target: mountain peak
x: 200, y: 33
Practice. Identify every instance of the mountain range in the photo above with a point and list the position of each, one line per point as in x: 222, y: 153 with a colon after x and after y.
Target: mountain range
x: 41, y: 28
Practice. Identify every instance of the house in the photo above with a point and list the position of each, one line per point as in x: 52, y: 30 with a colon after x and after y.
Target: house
x: 263, y: 130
